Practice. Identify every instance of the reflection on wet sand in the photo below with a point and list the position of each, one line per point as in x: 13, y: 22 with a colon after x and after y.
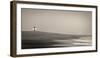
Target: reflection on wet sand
x: 39, y: 39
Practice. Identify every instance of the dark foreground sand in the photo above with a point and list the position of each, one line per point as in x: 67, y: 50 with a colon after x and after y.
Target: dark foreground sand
x: 37, y: 39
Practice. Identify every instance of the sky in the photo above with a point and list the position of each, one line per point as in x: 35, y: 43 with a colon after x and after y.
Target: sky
x: 57, y: 21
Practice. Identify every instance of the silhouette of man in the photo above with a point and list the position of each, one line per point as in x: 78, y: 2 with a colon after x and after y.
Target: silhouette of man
x: 34, y: 28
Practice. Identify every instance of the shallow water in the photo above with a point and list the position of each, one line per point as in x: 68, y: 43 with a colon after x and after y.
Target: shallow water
x: 32, y: 40
x: 82, y: 41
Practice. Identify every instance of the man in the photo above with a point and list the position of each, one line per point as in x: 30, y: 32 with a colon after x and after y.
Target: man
x: 34, y: 28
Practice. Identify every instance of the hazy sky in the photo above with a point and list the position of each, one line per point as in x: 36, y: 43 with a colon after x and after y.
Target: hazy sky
x: 65, y: 22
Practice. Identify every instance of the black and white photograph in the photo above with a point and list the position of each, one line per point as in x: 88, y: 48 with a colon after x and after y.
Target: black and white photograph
x: 39, y: 28
x: 42, y: 28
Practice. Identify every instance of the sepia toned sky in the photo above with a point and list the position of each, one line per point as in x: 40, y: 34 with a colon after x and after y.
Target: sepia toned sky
x: 57, y: 21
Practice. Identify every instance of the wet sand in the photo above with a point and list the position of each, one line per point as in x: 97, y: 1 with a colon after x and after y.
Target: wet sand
x: 37, y: 39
